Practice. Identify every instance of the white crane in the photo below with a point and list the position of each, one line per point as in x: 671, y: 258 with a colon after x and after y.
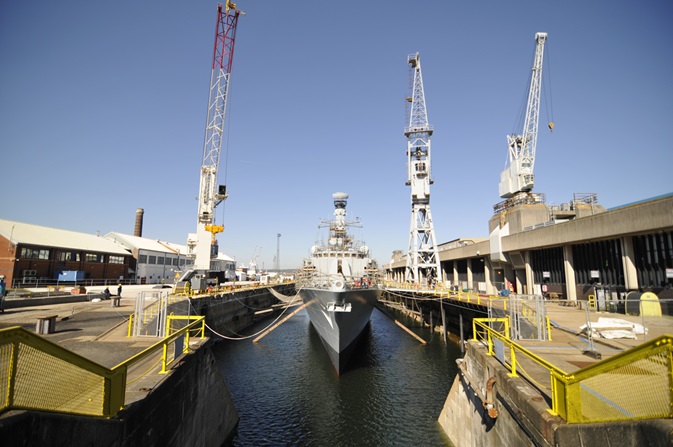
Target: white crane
x: 518, y: 174
x: 204, y: 245
x: 423, y: 256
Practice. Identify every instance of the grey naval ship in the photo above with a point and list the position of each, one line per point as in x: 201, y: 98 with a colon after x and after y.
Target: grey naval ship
x: 339, y: 286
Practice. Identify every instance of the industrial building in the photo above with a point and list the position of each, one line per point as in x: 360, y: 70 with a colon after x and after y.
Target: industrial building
x: 35, y: 255
x: 568, y: 252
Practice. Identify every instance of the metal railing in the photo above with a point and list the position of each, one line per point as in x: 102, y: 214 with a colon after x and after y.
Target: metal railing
x: 442, y: 291
x: 635, y: 384
x: 36, y: 374
x: 325, y: 281
x: 37, y: 282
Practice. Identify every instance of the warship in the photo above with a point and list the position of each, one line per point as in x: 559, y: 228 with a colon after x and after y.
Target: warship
x: 338, y: 284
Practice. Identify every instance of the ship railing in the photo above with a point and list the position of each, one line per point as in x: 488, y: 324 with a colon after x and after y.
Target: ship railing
x: 325, y: 281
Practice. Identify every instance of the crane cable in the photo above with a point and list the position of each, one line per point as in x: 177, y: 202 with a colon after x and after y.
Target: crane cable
x: 549, y: 105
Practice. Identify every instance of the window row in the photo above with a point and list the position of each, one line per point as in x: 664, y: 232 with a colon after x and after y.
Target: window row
x: 68, y: 256
x: 160, y: 260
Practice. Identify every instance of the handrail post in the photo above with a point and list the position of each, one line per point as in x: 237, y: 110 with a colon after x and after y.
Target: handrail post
x: 115, y: 393
x: 490, y: 341
x: 512, y: 355
x: 558, y: 396
x: 130, y: 325
x: 164, y: 356
x: 548, y: 328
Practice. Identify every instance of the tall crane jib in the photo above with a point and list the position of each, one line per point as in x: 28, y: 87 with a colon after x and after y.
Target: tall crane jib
x: 518, y: 174
x: 210, y: 193
x: 422, y: 257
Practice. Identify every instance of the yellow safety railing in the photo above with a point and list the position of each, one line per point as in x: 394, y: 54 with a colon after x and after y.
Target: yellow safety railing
x: 635, y: 384
x: 441, y: 291
x: 36, y: 374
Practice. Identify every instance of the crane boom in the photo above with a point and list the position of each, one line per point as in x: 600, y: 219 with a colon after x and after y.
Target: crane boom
x: 210, y: 193
x: 518, y: 174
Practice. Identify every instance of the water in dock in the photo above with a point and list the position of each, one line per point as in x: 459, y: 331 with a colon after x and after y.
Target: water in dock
x: 287, y: 392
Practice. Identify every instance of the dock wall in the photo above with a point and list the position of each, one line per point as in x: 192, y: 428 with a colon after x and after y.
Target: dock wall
x: 230, y: 312
x: 190, y: 406
x: 522, y: 417
x: 193, y: 397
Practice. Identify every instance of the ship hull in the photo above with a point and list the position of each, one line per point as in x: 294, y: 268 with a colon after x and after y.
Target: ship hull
x: 339, y: 317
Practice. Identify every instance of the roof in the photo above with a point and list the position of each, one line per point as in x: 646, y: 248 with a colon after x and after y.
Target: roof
x: 144, y: 243
x: 29, y: 234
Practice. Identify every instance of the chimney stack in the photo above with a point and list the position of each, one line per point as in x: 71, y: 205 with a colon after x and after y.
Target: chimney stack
x: 138, y: 230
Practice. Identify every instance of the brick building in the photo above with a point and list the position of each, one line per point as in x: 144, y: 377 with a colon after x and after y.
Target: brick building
x: 33, y: 254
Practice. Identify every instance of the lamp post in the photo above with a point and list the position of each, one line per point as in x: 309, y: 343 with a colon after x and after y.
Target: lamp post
x: 278, y: 252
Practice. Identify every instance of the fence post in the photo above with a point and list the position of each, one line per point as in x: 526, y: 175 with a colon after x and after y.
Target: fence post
x: 512, y: 354
x: 164, y: 358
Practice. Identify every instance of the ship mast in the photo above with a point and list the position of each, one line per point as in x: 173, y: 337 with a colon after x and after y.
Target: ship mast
x: 423, y: 257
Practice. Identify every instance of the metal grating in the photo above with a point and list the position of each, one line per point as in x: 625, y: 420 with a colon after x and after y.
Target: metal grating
x: 45, y: 382
x: 639, y: 390
x: 5, y: 369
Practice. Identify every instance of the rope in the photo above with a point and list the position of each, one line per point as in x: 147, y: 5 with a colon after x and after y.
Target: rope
x: 246, y: 337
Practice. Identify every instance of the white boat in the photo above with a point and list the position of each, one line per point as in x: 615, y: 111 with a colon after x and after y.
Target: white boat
x: 339, y: 284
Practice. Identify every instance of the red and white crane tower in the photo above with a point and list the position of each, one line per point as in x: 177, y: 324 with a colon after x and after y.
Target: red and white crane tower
x: 204, y: 245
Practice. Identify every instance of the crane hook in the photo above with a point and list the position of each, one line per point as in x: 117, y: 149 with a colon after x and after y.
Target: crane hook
x: 551, y: 126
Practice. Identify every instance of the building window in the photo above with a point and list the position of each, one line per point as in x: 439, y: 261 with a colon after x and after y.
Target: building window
x: 175, y: 261
x: 160, y: 260
x: 547, y: 265
x: 34, y: 253
x: 93, y: 257
x: 653, y: 256
x: 67, y: 256
x: 116, y: 259
x: 152, y: 260
x: 142, y: 259
x: 599, y: 263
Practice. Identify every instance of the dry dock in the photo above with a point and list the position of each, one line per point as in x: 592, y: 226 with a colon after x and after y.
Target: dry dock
x: 566, y: 389
x: 170, y: 396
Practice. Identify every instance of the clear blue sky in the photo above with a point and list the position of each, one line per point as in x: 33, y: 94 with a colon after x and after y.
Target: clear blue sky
x: 103, y: 110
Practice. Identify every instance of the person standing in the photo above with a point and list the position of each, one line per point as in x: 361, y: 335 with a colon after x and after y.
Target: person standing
x: 119, y: 290
x: 3, y: 292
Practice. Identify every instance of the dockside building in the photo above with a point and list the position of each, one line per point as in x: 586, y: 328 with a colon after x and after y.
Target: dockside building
x: 571, y: 252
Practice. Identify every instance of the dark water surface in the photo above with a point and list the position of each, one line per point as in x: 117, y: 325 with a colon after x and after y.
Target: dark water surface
x: 287, y: 392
